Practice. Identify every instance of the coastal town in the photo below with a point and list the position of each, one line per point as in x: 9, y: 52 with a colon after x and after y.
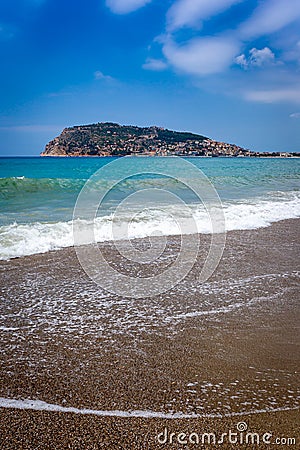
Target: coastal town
x: 111, y: 139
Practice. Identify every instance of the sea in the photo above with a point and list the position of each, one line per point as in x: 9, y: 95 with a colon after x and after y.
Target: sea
x: 38, y: 196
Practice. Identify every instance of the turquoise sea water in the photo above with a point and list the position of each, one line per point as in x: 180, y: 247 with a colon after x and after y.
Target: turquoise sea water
x: 37, y: 197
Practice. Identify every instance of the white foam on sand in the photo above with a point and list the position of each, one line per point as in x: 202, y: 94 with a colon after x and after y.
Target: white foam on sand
x: 39, y: 405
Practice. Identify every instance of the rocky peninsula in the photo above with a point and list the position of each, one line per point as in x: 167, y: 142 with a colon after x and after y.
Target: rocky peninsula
x: 112, y: 139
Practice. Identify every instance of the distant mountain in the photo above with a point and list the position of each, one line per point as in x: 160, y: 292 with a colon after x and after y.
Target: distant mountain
x: 112, y: 139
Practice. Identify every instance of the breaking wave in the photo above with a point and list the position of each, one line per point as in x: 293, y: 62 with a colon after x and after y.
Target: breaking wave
x: 19, y: 239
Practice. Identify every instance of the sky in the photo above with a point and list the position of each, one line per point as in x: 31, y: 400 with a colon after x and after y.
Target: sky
x: 226, y: 69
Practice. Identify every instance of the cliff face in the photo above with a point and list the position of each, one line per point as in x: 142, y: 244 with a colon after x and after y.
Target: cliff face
x: 75, y: 141
x: 58, y: 146
x: 111, y: 139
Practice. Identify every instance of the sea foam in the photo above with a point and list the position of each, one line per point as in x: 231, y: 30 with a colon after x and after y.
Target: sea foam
x: 26, y: 239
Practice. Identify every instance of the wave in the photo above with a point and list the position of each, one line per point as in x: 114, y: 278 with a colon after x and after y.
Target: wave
x: 25, y: 239
x: 235, y: 186
x: 19, y: 186
x: 16, y: 186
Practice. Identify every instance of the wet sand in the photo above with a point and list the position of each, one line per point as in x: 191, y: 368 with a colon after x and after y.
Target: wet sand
x: 40, y: 430
x: 225, y: 351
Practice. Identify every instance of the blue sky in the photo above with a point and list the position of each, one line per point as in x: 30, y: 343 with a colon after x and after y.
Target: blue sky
x: 228, y: 69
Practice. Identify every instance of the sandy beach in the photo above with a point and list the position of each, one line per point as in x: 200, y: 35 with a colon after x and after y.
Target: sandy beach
x: 212, y: 355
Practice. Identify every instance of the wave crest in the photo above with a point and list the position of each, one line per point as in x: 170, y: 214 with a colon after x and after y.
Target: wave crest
x: 26, y: 239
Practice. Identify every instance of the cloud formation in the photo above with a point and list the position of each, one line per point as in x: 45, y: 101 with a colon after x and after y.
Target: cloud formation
x: 201, y: 56
x: 295, y: 115
x: 290, y: 95
x: 256, y: 52
x: 155, y: 64
x: 270, y: 16
x: 190, y: 13
x: 125, y: 6
x: 256, y: 58
x: 98, y: 75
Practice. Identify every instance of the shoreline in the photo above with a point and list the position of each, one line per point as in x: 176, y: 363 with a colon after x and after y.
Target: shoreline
x: 139, y: 239
x: 222, y: 348
x: 160, y: 156
x: 164, y: 156
x: 39, y: 405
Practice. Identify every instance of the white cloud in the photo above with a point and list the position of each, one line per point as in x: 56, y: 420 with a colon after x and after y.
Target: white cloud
x: 259, y: 58
x: 201, y: 56
x: 214, y: 53
x: 98, y: 75
x: 295, y: 115
x: 242, y: 61
x: 291, y: 95
x: 125, y: 6
x: 271, y: 16
x: 154, y: 64
x: 190, y: 12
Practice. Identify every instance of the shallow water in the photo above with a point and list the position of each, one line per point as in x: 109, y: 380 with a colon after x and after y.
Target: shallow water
x: 223, y: 347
